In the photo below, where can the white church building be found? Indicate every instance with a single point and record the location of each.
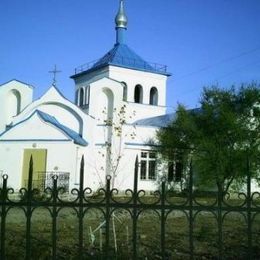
(120, 102)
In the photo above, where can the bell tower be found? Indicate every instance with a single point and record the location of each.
(142, 83)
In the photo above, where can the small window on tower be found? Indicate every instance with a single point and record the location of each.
(87, 95)
(81, 97)
(77, 97)
(138, 94)
(154, 96)
(124, 91)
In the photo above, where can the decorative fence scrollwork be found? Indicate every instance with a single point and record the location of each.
(134, 201)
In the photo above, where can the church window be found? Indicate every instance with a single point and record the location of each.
(87, 95)
(124, 91)
(175, 171)
(170, 171)
(178, 171)
(153, 96)
(13, 103)
(148, 165)
(138, 94)
(77, 97)
(81, 97)
(18, 101)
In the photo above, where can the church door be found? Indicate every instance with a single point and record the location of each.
(39, 167)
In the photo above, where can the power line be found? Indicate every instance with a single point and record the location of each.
(224, 76)
(217, 79)
(215, 64)
(238, 69)
(218, 63)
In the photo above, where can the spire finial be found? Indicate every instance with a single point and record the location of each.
(121, 18)
(121, 23)
(54, 71)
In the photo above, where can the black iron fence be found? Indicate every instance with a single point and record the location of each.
(134, 202)
(44, 180)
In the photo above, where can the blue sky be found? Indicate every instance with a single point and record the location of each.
(203, 42)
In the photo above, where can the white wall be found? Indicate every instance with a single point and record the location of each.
(132, 78)
(7, 100)
(61, 155)
(97, 99)
(100, 85)
(65, 115)
(34, 133)
(146, 79)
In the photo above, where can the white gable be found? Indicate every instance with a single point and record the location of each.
(33, 128)
(53, 103)
(14, 97)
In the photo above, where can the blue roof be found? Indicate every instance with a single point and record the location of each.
(164, 120)
(157, 121)
(69, 132)
(123, 56)
(52, 120)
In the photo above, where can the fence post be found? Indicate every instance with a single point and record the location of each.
(191, 227)
(3, 199)
(81, 196)
(220, 222)
(29, 210)
(135, 209)
(54, 216)
(107, 216)
(163, 218)
(249, 215)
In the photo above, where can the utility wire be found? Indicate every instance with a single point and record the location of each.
(244, 53)
(238, 69)
(221, 77)
(218, 63)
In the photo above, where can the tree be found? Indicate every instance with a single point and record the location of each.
(219, 135)
(115, 130)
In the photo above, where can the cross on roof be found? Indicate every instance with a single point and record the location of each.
(54, 71)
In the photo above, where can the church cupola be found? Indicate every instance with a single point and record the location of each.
(121, 24)
(142, 84)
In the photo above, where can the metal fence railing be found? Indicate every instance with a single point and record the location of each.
(107, 201)
(125, 61)
(44, 180)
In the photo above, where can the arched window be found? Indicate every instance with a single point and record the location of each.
(138, 94)
(77, 97)
(124, 91)
(13, 107)
(81, 97)
(14, 102)
(87, 95)
(18, 99)
(153, 96)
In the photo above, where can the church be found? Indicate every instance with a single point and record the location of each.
(120, 103)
